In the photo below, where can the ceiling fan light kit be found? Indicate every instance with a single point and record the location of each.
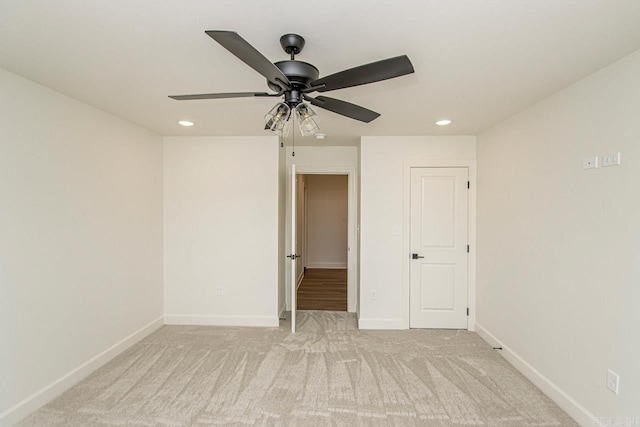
(294, 80)
(306, 119)
(277, 119)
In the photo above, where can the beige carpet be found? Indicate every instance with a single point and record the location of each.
(327, 374)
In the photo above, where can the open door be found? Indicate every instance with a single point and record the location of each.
(293, 255)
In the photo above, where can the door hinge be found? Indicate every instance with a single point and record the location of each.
(467, 311)
(468, 184)
(467, 248)
(293, 256)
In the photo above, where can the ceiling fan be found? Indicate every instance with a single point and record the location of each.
(294, 80)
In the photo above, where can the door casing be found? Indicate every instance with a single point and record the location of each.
(352, 237)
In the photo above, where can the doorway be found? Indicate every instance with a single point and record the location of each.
(291, 231)
(322, 213)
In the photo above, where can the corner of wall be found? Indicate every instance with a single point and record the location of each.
(50, 391)
(548, 387)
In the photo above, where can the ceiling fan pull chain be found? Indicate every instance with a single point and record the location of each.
(293, 136)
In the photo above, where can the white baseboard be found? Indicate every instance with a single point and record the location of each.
(221, 320)
(381, 324)
(340, 265)
(47, 393)
(300, 278)
(555, 393)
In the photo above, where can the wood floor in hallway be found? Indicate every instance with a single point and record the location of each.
(323, 289)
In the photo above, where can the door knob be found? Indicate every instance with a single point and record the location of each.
(416, 256)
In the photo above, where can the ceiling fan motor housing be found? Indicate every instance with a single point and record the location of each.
(300, 74)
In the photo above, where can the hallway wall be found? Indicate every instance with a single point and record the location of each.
(327, 197)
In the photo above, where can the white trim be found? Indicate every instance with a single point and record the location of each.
(305, 219)
(47, 393)
(555, 393)
(381, 324)
(406, 241)
(293, 242)
(333, 265)
(221, 320)
(352, 238)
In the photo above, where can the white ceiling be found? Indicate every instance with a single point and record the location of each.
(477, 61)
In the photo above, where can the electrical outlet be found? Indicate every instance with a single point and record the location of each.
(590, 162)
(220, 291)
(373, 294)
(611, 160)
(613, 381)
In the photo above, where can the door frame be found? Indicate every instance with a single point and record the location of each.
(406, 233)
(352, 237)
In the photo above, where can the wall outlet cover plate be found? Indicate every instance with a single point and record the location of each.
(590, 162)
(613, 381)
(611, 160)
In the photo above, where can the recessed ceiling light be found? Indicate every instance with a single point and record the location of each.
(185, 123)
(443, 122)
(320, 135)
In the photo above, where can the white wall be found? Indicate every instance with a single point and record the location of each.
(221, 230)
(382, 253)
(80, 240)
(327, 221)
(323, 156)
(559, 247)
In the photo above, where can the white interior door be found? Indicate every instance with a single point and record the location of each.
(292, 256)
(439, 239)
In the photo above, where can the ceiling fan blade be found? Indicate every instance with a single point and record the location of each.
(248, 54)
(220, 95)
(344, 108)
(368, 73)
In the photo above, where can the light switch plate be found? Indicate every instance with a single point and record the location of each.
(590, 162)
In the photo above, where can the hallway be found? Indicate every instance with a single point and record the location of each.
(323, 289)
